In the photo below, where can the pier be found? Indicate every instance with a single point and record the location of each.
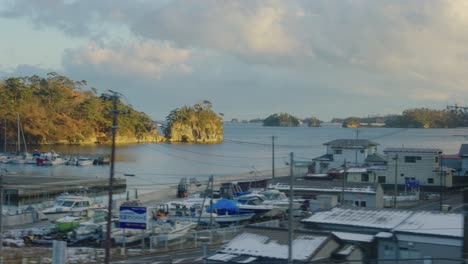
(21, 189)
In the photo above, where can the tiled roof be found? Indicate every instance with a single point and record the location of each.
(351, 143)
(326, 157)
(375, 158)
(414, 150)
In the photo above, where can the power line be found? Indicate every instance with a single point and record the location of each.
(196, 161)
(212, 155)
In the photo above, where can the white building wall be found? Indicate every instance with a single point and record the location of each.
(422, 170)
(464, 166)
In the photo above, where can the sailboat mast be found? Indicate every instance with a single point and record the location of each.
(19, 138)
(4, 137)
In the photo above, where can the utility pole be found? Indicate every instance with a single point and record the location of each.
(343, 183)
(272, 157)
(465, 225)
(291, 198)
(441, 190)
(355, 152)
(115, 97)
(396, 182)
(1, 217)
(4, 137)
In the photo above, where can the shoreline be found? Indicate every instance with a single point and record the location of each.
(168, 193)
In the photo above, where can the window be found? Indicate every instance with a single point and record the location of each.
(324, 165)
(430, 180)
(363, 203)
(364, 177)
(338, 151)
(362, 151)
(412, 159)
(381, 179)
(388, 252)
(436, 159)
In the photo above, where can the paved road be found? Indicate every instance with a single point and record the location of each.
(454, 199)
(182, 257)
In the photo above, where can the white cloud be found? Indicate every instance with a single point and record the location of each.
(405, 49)
(148, 59)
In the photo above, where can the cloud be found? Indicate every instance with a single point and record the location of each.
(145, 59)
(398, 49)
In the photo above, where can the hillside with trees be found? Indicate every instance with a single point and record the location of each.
(312, 122)
(428, 118)
(198, 123)
(58, 110)
(282, 120)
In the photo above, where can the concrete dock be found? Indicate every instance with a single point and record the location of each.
(19, 189)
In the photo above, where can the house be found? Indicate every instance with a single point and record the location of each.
(463, 154)
(355, 193)
(270, 245)
(341, 151)
(390, 234)
(420, 165)
(372, 174)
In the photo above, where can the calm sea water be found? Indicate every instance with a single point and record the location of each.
(247, 147)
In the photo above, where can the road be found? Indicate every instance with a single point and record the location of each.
(181, 257)
(454, 199)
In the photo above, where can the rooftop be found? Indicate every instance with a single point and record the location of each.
(414, 150)
(282, 183)
(404, 221)
(351, 143)
(463, 150)
(273, 243)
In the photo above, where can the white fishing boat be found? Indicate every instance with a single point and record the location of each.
(255, 204)
(49, 159)
(68, 203)
(81, 161)
(172, 229)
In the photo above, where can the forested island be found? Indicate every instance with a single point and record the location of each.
(413, 118)
(58, 110)
(197, 124)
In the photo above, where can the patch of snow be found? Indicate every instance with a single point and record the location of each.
(222, 257)
(433, 223)
(384, 235)
(354, 237)
(348, 249)
(402, 198)
(261, 246)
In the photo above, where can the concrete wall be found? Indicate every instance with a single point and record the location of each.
(421, 170)
(391, 249)
(20, 219)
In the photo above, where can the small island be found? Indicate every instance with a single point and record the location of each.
(198, 124)
(282, 120)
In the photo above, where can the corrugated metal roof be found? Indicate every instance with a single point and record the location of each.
(351, 143)
(463, 150)
(405, 221)
(414, 150)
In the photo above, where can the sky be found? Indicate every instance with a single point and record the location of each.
(251, 59)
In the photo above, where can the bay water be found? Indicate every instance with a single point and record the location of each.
(247, 148)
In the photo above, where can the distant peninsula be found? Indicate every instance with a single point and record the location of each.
(412, 118)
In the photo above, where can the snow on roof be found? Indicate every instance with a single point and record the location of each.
(346, 250)
(384, 235)
(356, 170)
(414, 150)
(284, 187)
(351, 143)
(433, 223)
(386, 219)
(405, 221)
(222, 257)
(263, 246)
(354, 237)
